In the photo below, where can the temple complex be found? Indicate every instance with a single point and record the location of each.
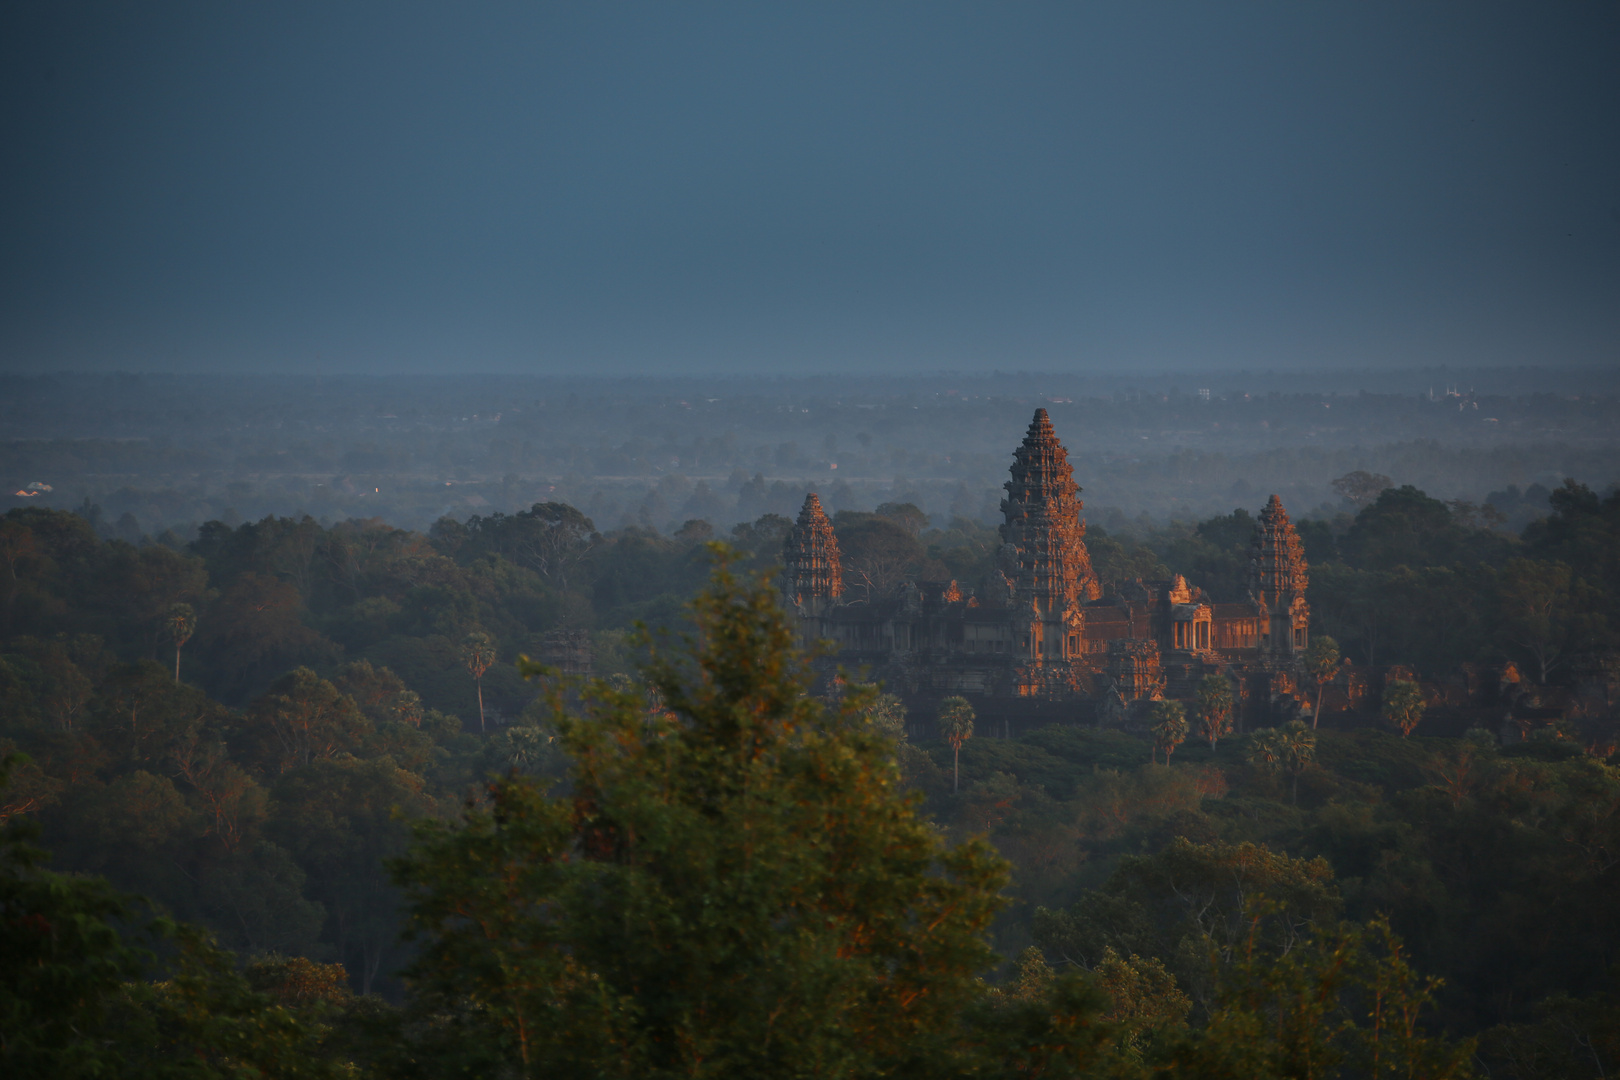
(1041, 639)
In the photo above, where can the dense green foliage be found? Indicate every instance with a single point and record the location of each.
(92, 986)
(328, 693)
(734, 885)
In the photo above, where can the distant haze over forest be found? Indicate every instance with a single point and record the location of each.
(157, 452)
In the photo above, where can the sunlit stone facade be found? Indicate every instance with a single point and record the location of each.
(1040, 635)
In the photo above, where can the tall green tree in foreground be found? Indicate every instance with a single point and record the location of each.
(734, 886)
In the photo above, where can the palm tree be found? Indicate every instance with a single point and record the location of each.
(1321, 663)
(1403, 705)
(1265, 749)
(956, 725)
(1290, 749)
(1298, 746)
(1169, 726)
(1214, 703)
(887, 714)
(182, 623)
(478, 653)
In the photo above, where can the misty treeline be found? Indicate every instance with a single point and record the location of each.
(242, 730)
(164, 454)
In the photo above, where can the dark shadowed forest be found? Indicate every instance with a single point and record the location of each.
(280, 678)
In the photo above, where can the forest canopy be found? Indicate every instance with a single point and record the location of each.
(241, 730)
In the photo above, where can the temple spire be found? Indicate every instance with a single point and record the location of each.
(1044, 550)
(1043, 523)
(815, 574)
(1277, 571)
(1278, 578)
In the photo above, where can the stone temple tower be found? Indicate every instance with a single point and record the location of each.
(1277, 580)
(814, 578)
(1044, 551)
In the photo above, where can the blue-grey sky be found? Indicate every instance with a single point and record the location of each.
(682, 187)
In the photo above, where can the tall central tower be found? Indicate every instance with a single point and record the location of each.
(1278, 578)
(1045, 550)
(814, 575)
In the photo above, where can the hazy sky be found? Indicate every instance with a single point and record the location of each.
(787, 187)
